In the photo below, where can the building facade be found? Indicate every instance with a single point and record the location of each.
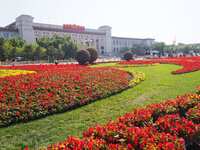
(100, 38)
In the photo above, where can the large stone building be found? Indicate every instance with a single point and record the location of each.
(100, 38)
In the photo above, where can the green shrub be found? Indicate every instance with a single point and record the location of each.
(83, 57)
(93, 55)
(128, 56)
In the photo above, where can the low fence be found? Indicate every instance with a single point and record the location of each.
(14, 63)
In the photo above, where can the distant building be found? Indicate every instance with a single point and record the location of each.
(100, 38)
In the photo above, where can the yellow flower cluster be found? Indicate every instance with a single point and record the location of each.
(195, 96)
(5, 72)
(137, 78)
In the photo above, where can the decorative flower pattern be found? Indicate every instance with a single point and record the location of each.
(189, 64)
(55, 88)
(171, 125)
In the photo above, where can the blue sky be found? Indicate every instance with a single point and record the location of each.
(164, 20)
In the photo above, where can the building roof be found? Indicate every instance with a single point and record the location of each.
(8, 29)
(11, 25)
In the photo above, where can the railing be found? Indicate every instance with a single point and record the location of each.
(35, 62)
(14, 63)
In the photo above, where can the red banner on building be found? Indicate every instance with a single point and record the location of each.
(74, 28)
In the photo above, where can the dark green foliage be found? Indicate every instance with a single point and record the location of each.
(28, 52)
(2, 56)
(83, 57)
(128, 56)
(93, 55)
(17, 42)
(69, 49)
(58, 47)
(39, 53)
(46, 49)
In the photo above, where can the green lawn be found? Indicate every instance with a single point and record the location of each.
(159, 85)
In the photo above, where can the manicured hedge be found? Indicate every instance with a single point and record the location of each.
(83, 57)
(93, 55)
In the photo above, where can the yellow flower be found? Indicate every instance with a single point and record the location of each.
(5, 72)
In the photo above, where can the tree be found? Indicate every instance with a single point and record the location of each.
(93, 55)
(17, 42)
(69, 50)
(159, 46)
(139, 49)
(28, 52)
(7, 47)
(10, 48)
(2, 55)
(44, 42)
(58, 54)
(58, 47)
(39, 53)
(51, 53)
(13, 53)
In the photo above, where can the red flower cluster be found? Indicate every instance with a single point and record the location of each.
(134, 138)
(55, 88)
(165, 126)
(177, 125)
(189, 64)
(194, 114)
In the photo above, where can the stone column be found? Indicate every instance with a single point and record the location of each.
(108, 39)
(24, 24)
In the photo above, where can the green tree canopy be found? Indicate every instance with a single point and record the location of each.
(58, 47)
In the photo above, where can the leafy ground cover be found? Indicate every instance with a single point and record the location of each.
(189, 64)
(55, 88)
(159, 85)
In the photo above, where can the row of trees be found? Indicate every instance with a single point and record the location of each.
(45, 48)
(137, 50)
(162, 48)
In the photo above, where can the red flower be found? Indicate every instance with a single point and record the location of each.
(189, 64)
(55, 88)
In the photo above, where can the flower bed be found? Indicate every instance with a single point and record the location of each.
(6, 72)
(189, 64)
(171, 125)
(55, 88)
